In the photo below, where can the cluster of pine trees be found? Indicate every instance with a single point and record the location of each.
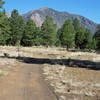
(75, 35)
(15, 31)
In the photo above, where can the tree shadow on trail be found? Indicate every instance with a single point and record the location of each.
(67, 62)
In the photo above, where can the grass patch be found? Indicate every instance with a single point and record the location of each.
(2, 74)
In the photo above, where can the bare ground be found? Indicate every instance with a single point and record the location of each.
(25, 83)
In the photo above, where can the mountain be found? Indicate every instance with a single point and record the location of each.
(38, 16)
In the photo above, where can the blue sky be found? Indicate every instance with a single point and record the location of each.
(87, 8)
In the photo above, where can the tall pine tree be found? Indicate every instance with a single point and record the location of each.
(38, 37)
(17, 27)
(76, 24)
(29, 35)
(68, 34)
(83, 36)
(4, 29)
(79, 38)
(49, 32)
(4, 25)
(87, 44)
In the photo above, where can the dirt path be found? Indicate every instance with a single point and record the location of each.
(25, 83)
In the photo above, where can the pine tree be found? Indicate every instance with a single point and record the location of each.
(76, 24)
(4, 29)
(30, 33)
(4, 25)
(49, 32)
(87, 43)
(83, 36)
(78, 33)
(79, 38)
(93, 46)
(59, 33)
(17, 27)
(38, 37)
(97, 37)
(21, 29)
(68, 34)
(1, 3)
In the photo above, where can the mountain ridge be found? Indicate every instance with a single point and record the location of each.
(38, 16)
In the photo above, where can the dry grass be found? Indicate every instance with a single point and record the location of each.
(60, 52)
(67, 80)
(77, 81)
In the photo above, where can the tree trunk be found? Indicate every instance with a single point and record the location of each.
(67, 47)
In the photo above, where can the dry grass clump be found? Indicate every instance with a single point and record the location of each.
(66, 82)
(6, 61)
(82, 56)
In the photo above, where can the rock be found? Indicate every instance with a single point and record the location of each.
(97, 85)
(62, 98)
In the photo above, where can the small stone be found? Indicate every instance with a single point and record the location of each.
(62, 98)
(68, 90)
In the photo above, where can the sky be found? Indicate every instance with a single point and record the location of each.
(86, 8)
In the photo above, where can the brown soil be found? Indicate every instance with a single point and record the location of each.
(25, 83)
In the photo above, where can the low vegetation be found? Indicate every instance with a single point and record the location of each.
(75, 82)
(2, 74)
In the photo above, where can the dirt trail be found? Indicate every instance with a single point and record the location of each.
(25, 83)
